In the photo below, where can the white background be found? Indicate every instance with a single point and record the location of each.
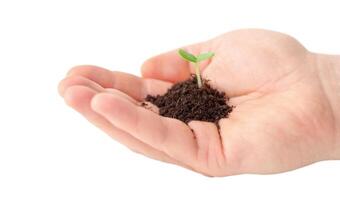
(48, 151)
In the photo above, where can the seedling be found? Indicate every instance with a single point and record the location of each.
(186, 102)
(195, 60)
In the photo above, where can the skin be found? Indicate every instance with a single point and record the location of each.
(286, 102)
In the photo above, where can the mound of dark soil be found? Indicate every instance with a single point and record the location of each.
(186, 101)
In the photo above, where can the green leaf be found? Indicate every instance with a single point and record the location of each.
(204, 56)
(187, 56)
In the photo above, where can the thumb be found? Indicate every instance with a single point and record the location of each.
(170, 66)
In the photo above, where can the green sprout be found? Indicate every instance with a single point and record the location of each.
(195, 60)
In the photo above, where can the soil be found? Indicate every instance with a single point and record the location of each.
(186, 101)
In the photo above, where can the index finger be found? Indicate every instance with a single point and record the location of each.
(132, 85)
(170, 66)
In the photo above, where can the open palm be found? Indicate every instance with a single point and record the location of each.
(282, 119)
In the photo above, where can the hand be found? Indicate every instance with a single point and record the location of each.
(283, 117)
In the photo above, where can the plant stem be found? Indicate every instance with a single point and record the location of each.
(198, 75)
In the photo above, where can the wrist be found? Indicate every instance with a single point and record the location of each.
(329, 73)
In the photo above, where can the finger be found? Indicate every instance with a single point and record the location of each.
(99, 75)
(79, 98)
(210, 149)
(80, 80)
(167, 67)
(77, 80)
(133, 86)
(165, 134)
(170, 66)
